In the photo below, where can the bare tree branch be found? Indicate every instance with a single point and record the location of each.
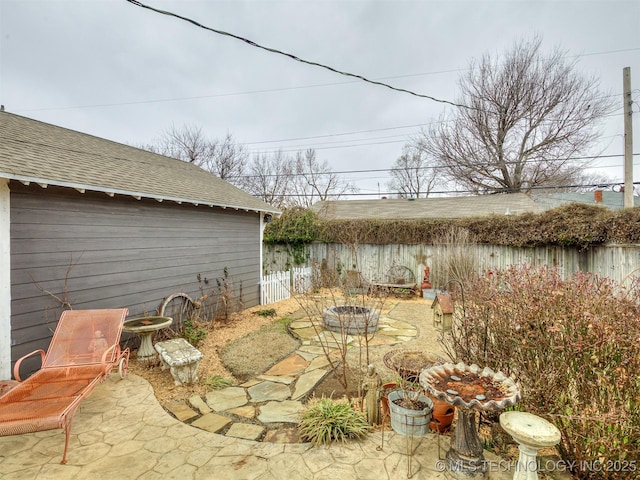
(411, 175)
(531, 114)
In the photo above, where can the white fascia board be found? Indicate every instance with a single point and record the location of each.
(5, 281)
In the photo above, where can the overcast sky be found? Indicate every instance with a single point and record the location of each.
(117, 71)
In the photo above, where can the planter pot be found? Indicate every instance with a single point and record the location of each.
(442, 415)
(387, 388)
(406, 421)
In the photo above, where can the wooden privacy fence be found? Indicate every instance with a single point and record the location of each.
(618, 262)
(278, 286)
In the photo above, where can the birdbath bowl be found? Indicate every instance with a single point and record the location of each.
(145, 328)
(471, 389)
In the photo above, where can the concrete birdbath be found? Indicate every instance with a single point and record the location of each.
(470, 389)
(145, 328)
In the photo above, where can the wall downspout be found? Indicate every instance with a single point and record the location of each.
(5, 281)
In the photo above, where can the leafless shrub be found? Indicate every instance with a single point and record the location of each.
(573, 346)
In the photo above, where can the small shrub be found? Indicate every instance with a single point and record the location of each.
(216, 382)
(327, 420)
(192, 333)
(268, 312)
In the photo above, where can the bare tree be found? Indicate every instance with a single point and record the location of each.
(528, 116)
(269, 178)
(314, 181)
(225, 158)
(411, 174)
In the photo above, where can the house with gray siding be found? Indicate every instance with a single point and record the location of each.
(99, 224)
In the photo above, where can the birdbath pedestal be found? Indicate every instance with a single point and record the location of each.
(145, 328)
(532, 433)
(470, 389)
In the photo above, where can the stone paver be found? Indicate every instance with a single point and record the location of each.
(181, 411)
(199, 404)
(211, 422)
(290, 366)
(287, 411)
(245, 430)
(306, 382)
(287, 380)
(266, 391)
(246, 411)
(227, 398)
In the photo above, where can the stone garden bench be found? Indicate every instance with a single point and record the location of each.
(181, 358)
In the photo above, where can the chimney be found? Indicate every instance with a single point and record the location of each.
(597, 196)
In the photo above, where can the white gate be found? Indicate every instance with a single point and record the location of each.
(275, 286)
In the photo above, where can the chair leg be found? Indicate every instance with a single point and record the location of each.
(67, 433)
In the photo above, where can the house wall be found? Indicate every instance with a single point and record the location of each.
(102, 252)
(618, 262)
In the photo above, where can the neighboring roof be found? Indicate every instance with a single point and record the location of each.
(37, 152)
(433, 207)
(612, 200)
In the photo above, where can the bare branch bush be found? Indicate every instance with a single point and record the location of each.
(574, 348)
(62, 298)
(454, 261)
(349, 299)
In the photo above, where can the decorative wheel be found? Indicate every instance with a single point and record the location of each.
(123, 365)
(180, 307)
(400, 275)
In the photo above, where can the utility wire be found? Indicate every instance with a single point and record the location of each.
(371, 170)
(296, 58)
(477, 192)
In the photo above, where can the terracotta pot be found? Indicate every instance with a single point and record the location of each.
(384, 400)
(442, 415)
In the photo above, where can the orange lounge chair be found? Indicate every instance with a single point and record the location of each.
(83, 350)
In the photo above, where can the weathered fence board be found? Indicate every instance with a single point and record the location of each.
(619, 262)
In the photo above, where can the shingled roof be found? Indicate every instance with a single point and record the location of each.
(435, 207)
(37, 152)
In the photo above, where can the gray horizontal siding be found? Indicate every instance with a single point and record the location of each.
(129, 253)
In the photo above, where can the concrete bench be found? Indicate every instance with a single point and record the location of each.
(181, 358)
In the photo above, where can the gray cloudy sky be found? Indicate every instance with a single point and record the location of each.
(121, 72)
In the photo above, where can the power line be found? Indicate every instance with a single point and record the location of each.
(476, 192)
(433, 167)
(296, 58)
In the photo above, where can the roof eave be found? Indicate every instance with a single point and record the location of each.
(137, 195)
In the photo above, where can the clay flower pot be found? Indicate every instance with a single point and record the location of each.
(442, 415)
(384, 399)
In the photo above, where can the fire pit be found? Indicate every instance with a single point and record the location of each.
(470, 389)
(351, 319)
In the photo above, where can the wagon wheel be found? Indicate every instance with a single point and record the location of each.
(180, 307)
(123, 364)
(400, 274)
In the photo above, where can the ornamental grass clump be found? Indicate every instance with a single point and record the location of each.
(326, 420)
(573, 346)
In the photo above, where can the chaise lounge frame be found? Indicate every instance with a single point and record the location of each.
(84, 349)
